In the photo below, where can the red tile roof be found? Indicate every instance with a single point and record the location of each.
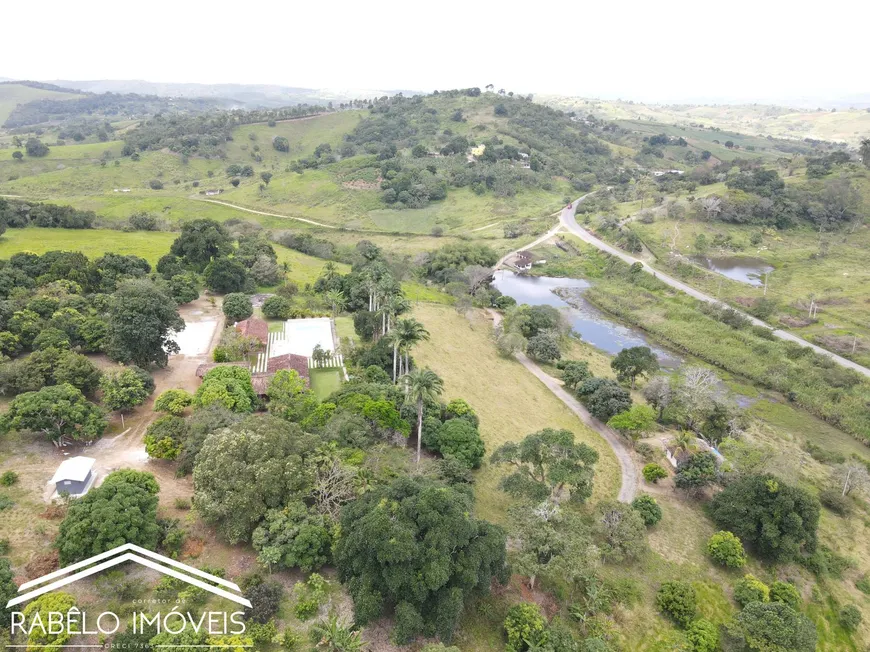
(298, 363)
(254, 328)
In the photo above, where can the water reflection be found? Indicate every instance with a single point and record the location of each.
(745, 269)
(593, 325)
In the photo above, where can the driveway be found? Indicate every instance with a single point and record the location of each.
(628, 489)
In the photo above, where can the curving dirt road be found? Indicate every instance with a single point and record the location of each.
(628, 489)
(251, 210)
(568, 220)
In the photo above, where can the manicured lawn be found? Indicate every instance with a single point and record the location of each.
(325, 381)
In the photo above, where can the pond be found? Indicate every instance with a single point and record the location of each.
(745, 269)
(589, 322)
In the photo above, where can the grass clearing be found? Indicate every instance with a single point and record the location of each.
(150, 245)
(510, 402)
(325, 381)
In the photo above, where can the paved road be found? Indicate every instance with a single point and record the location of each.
(628, 490)
(568, 220)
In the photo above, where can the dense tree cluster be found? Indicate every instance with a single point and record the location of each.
(16, 213)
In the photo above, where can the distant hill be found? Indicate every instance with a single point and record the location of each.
(14, 94)
(244, 95)
(837, 125)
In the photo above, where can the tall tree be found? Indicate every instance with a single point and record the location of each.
(60, 412)
(423, 385)
(546, 464)
(123, 390)
(414, 547)
(201, 241)
(142, 322)
(337, 300)
(116, 513)
(633, 362)
(249, 468)
(408, 333)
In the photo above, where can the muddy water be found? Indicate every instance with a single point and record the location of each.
(589, 322)
(745, 269)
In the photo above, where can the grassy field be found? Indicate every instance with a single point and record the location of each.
(150, 245)
(510, 402)
(303, 135)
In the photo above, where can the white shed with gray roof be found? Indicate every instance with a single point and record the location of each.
(74, 476)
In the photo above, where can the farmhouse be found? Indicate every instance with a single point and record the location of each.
(74, 476)
(523, 261)
(254, 328)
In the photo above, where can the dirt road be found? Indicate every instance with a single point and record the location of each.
(568, 220)
(628, 489)
(127, 450)
(251, 210)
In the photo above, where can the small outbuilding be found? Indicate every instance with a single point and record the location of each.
(74, 476)
(254, 327)
(523, 261)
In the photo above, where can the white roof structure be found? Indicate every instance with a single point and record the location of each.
(75, 469)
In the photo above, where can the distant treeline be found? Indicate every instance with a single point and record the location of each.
(15, 213)
(113, 105)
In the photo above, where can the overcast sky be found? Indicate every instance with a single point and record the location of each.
(763, 50)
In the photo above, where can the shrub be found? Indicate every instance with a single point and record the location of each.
(6, 502)
(785, 592)
(724, 548)
(834, 500)
(751, 589)
(775, 626)
(164, 437)
(523, 625)
(8, 479)
(863, 584)
(850, 617)
(173, 401)
(4, 546)
(653, 472)
(544, 347)
(648, 509)
(155, 184)
(459, 439)
(703, 636)
(678, 600)
(182, 503)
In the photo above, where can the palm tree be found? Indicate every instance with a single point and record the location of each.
(683, 444)
(337, 300)
(423, 384)
(406, 334)
(394, 306)
(335, 636)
